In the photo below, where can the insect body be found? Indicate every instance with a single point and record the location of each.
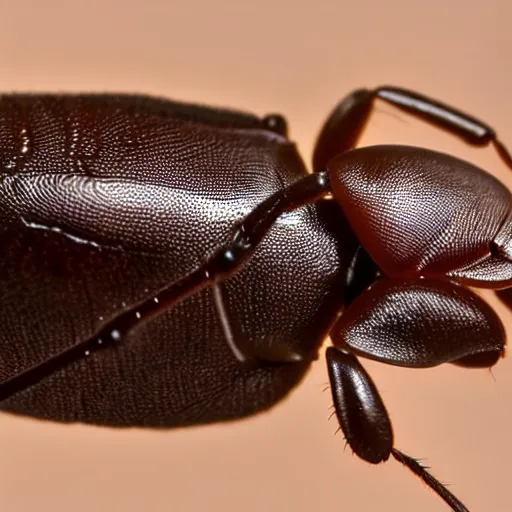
(166, 264)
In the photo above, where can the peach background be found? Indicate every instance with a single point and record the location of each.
(298, 58)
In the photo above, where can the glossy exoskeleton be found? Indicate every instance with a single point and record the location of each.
(166, 264)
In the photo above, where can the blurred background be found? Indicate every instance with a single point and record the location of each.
(297, 58)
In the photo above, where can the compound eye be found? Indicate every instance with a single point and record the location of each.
(423, 213)
(276, 123)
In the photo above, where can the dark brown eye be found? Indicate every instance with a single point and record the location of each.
(277, 124)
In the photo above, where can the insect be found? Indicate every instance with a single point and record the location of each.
(166, 264)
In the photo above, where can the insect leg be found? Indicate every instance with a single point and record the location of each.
(365, 422)
(348, 120)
